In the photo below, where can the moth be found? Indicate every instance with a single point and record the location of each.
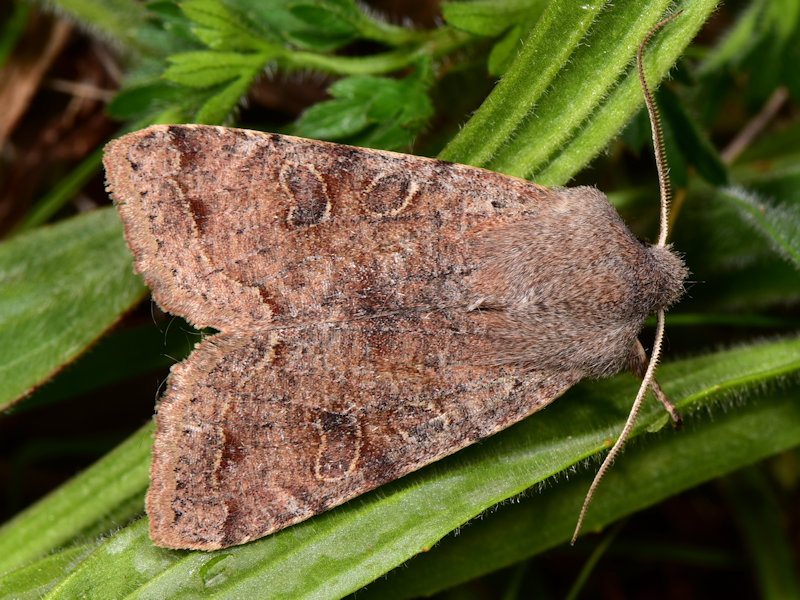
(374, 312)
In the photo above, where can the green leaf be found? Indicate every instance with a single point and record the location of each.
(336, 119)
(317, 12)
(326, 30)
(778, 224)
(222, 103)
(343, 20)
(213, 15)
(80, 504)
(780, 28)
(169, 31)
(619, 102)
(578, 100)
(314, 40)
(546, 51)
(491, 17)
(780, 148)
(221, 28)
(505, 51)
(763, 42)
(35, 580)
(371, 111)
(61, 287)
(128, 546)
(206, 68)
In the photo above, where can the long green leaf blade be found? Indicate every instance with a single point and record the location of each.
(65, 513)
(779, 225)
(581, 89)
(61, 287)
(546, 51)
(621, 102)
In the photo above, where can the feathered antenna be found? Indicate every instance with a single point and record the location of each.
(663, 183)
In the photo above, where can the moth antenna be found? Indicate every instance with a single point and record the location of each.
(663, 183)
(658, 134)
(637, 404)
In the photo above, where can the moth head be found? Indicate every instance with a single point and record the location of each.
(671, 273)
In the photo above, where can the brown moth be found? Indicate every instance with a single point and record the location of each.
(375, 312)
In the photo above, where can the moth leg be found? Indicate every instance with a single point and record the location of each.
(637, 364)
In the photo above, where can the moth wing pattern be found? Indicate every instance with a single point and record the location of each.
(376, 311)
(337, 281)
(302, 230)
(291, 435)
